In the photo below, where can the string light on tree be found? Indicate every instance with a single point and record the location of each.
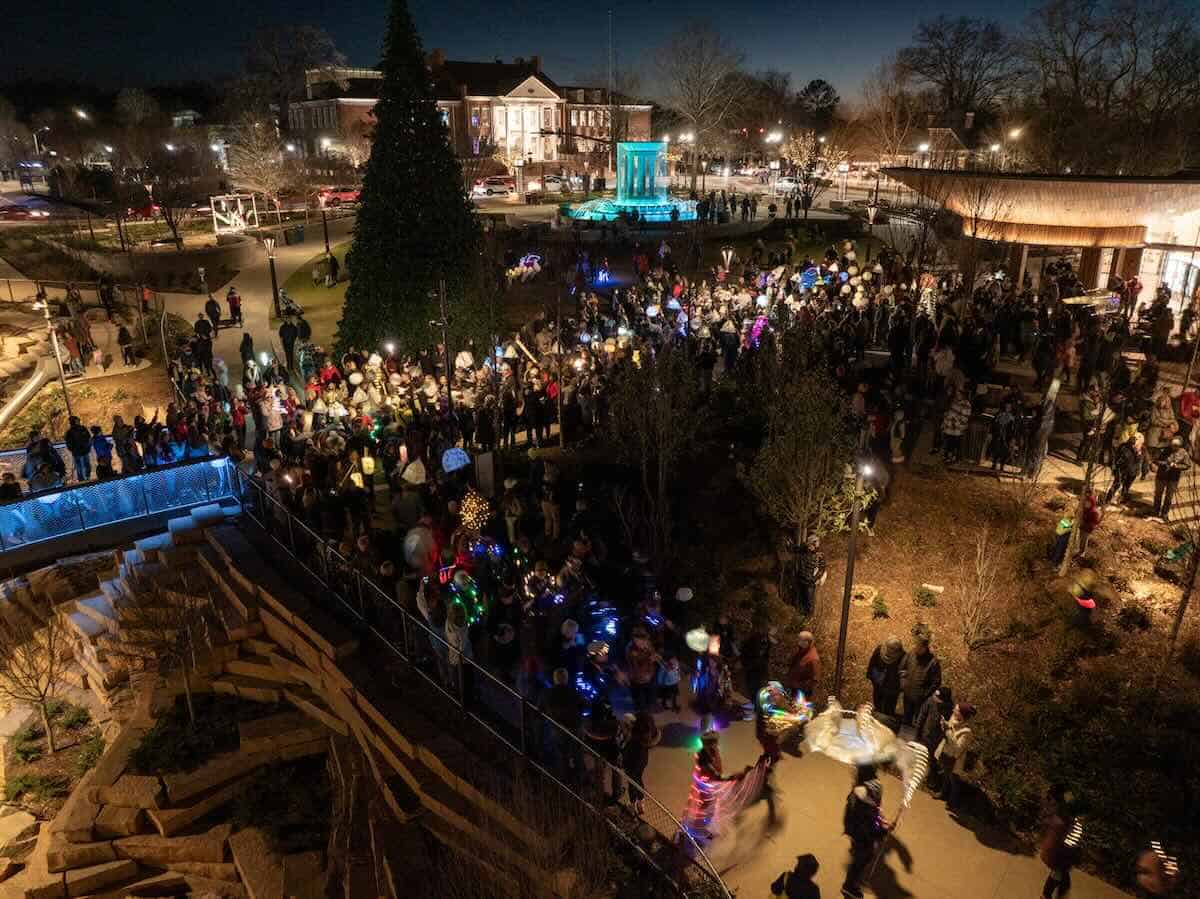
(475, 511)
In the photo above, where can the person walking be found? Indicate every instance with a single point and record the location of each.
(1125, 467)
(234, 299)
(213, 310)
(125, 342)
(1172, 462)
(920, 674)
(643, 736)
(864, 824)
(1059, 844)
(883, 671)
(928, 727)
(246, 349)
(288, 334)
(79, 442)
(954, 426)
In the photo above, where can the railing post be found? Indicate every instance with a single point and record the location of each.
(145, 498)
(291, 535)
(79, 509)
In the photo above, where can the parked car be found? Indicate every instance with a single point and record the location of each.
(550, 184)
(336, 196)
(148, 211)
(786, 184)
(21, 214)
(497, 185)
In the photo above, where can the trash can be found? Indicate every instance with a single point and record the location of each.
(298, 234)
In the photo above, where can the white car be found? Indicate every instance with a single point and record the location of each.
(496, 186)
(550, 184)
(786, 184)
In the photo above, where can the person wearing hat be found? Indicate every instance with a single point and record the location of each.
(805, 668)
(1172, 462)
(883, 671)
(920, 673)
(952, 752)
(798, 882)
(864, 824)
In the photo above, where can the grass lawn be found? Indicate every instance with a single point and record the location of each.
(322, 305)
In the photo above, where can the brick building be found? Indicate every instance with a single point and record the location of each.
(513, 108)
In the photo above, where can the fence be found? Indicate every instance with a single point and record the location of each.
(92, 504)
(551, 749)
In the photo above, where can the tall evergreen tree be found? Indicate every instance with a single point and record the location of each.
(415, 224)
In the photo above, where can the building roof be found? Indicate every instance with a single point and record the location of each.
(485, 79)
(1060, 210)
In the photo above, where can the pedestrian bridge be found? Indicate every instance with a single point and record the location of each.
(56, 522)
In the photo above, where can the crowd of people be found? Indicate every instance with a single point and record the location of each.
(371, 449)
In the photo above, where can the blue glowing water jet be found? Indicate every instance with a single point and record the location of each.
(641, 187)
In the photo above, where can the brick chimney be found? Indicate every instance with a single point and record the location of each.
(968, 121)
(437, 58)
(536, 62)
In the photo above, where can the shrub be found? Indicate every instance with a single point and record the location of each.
(173, 744)
(30, 733)
(35, 786)
(27, 752)
(879, 607)
(75, 717)
(1134, 616)
(89, 755)
(925, 597)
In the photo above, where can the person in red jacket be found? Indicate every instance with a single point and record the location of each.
(1059, 845)
(805, 668)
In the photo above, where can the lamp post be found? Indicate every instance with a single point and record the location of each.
(872, 211)
(324, 222)
(44, 305)
(443, 322)
(863, 471)
(269, 243)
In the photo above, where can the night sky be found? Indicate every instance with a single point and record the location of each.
(152, 41)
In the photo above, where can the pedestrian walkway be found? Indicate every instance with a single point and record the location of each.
(933, 855)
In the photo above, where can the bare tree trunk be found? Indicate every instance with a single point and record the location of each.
(49, 729)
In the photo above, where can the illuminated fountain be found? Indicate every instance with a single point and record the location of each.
(641, 186)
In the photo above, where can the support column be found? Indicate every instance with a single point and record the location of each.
(1018, 259)
(1089, 267)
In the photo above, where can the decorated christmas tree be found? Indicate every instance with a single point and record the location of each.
(415, 224)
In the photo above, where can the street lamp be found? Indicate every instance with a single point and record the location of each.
(108, 148)
(863, 471)
(269, 243)
(170, 148)
(1014, 134)
(872, 211)
(44, 306)
(80, 114)
(291, 148)
(324, 222)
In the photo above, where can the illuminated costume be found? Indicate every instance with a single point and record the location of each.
(715, 799)
(778, 717)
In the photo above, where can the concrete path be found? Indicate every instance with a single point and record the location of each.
(934, 855)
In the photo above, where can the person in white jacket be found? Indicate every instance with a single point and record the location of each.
(952, 751)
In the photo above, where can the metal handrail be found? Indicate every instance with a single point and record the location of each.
(412, 627)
